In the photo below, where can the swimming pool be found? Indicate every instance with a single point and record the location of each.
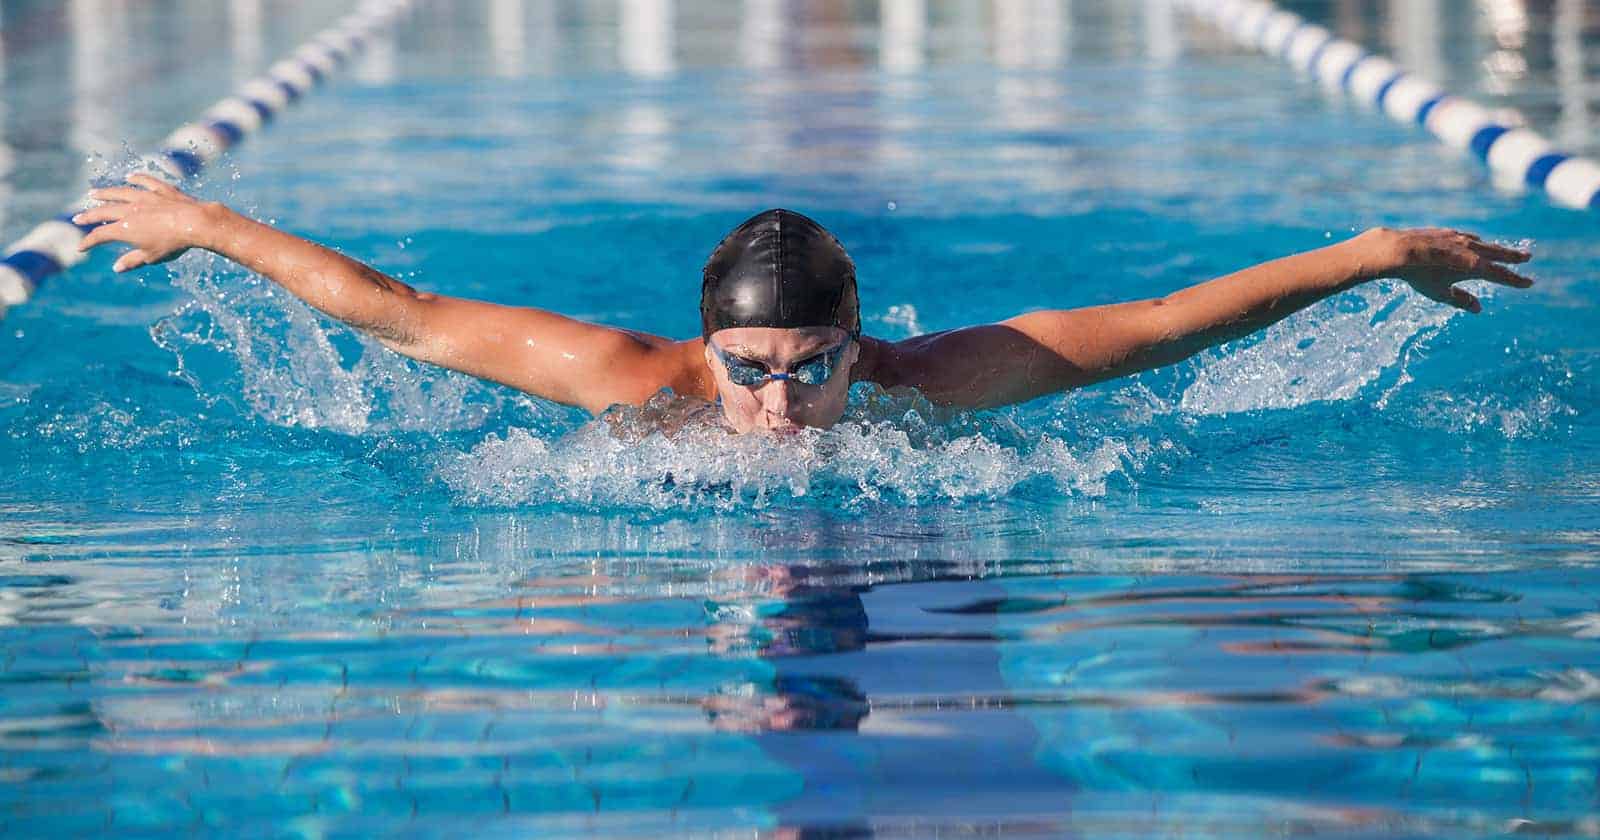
(259, 577)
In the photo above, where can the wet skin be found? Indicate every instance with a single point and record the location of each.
(781, 405)
(593, 366)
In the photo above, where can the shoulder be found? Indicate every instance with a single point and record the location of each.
(875, 362)
(636, 366)
(684, 365)
(893, 363)
(664, 363)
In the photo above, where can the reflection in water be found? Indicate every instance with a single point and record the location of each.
(1573, 126)
(1417, 27)
(1277, 696)
(507, 36)
(97, 79)
(789, 617)
(245, 29)
(761, 34)
(1030, 33)
(378, 62)
(644, 138)
(902, 33)
(645, 42)
(7, 159)
(1507, 21)
(1161, 39)
(262, 624)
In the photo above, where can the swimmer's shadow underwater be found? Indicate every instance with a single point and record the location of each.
(781, 342)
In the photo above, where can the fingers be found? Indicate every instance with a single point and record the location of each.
(156, 185)
(1456, 258)
(100, 236)
(1499, 253)
(1438, 243)
(1495, 273)
(124, 194)
(145, 187)
(100, 215)
(131, 260)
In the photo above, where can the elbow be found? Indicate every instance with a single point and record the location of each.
(398, 344)
(1161, 321)
(402, 335)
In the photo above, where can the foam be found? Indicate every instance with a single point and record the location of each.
(888, 449)
(1535, 399)
(1327, 352)
(294, 367)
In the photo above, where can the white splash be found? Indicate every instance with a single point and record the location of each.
(898, 321)
(1327, 352)
(869, 457)
(242, 333)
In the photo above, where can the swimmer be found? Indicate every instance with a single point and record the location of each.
(780, 340)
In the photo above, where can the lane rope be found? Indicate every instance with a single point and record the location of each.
(52, 246)
(1514, 153)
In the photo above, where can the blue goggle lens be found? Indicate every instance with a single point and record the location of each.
(814, 372)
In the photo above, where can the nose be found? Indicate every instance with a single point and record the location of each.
(776, 397)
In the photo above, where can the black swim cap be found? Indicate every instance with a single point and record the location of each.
(779, 269)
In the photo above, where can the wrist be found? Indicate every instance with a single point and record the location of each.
(1376, 252)
(213, 226)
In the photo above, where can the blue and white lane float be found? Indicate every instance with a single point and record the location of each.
(52, 247)
(1515, 154)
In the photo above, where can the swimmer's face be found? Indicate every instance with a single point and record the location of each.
(781, 405)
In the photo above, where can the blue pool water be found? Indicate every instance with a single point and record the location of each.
(259, 577)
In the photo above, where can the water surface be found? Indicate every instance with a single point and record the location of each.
(260, 577)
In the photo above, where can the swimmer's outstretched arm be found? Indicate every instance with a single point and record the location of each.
(1043, 352)
(540, 352)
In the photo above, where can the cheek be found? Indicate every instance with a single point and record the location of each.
(739, 402)
(828, 403)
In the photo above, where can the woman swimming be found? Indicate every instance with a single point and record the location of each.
(781, 338)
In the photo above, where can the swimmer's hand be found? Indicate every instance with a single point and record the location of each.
(534, 350)
(1434, 260)
(159, 221)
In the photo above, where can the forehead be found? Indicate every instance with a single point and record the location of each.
(776, 342)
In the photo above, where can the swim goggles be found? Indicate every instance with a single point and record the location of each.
(813, 371)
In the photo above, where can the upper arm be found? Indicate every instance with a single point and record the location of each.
(1030, 355)
(1042, 352)
(534, 350)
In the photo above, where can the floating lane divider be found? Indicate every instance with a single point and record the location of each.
(52, 247)
(1512, 152)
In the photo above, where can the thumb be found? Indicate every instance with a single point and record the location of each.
(1463, 299)
(131, 260)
